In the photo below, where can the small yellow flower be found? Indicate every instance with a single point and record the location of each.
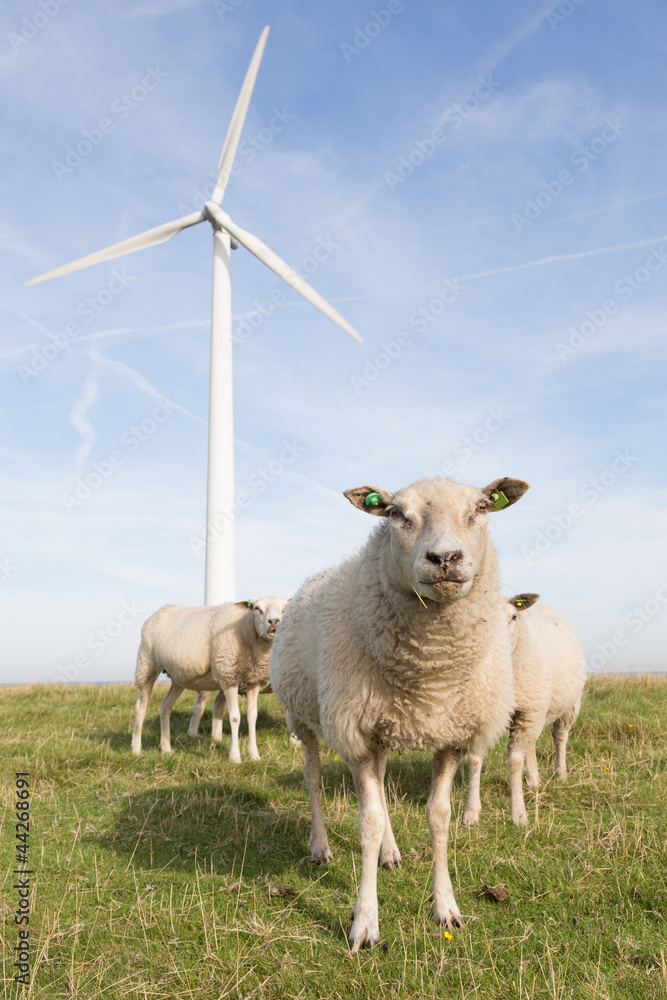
(448, 935)
(336, 758)
(630, 725)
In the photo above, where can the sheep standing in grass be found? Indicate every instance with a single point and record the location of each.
(403, 646)
(221, 648)
(549, 677)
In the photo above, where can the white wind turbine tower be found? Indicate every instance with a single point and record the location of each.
(220, 545)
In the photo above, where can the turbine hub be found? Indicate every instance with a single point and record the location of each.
(209, 210)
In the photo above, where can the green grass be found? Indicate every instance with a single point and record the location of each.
(154, 874)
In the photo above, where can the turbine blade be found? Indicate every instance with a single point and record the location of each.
(148, 239)
(283, 270)
(238, 118)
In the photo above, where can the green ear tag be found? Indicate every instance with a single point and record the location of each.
(248, 604)
(518, 603)
(373, 500)
(499, 500)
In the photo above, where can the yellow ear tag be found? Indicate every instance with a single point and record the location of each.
(499, 499)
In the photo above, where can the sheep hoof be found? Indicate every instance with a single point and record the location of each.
(254, 756)
(520, 817)
(471, 817)
(364, 934)
(235, 758)
(447, 913)
(321, 855)
(390, 859)
(166, 748)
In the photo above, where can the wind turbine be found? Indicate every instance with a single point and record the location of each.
(220, 545)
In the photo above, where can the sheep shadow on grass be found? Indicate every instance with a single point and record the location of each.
(212, 830)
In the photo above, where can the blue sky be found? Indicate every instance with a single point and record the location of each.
(479, 189)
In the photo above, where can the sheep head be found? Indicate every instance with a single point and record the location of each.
(267, 612)
(438, 530)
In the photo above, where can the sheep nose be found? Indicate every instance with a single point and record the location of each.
(273, 621)
(444, 559)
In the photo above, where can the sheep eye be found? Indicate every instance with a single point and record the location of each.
(397, 515)
(481, 505)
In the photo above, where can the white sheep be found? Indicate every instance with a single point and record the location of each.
(403, 646)
(549, 677)
(221, 648)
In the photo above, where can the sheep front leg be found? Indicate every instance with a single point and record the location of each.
(218, 712)
(174, 692)
(390, 856)
(319, 842)
(474, 803)
(197, 712)
(252, 697)
(232, 699)
(365, 931)
(438, 812)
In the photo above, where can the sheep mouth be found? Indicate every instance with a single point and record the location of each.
(445, 590)
(272, 631)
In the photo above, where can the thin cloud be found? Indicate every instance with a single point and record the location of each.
(607, 208)
(156, 8)
(79, 419)
(491, 272)
(17, 350)
(28, 319)
(139, 381)
(504, 48)
(557, 258)
(123, 331)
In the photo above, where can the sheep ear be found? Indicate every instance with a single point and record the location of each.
(244, 605)
(523, 601)
(370, 499)
(504, 492)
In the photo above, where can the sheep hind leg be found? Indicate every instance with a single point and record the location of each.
(252, 697)
(197, 712)
(390, 856)
(147, 674)
(319, 842)
(173, 694)
(532, 772)
(218, 712)
(473, 809)
(524, 730)
(560, 732)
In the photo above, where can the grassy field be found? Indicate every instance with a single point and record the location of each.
(187, 876)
